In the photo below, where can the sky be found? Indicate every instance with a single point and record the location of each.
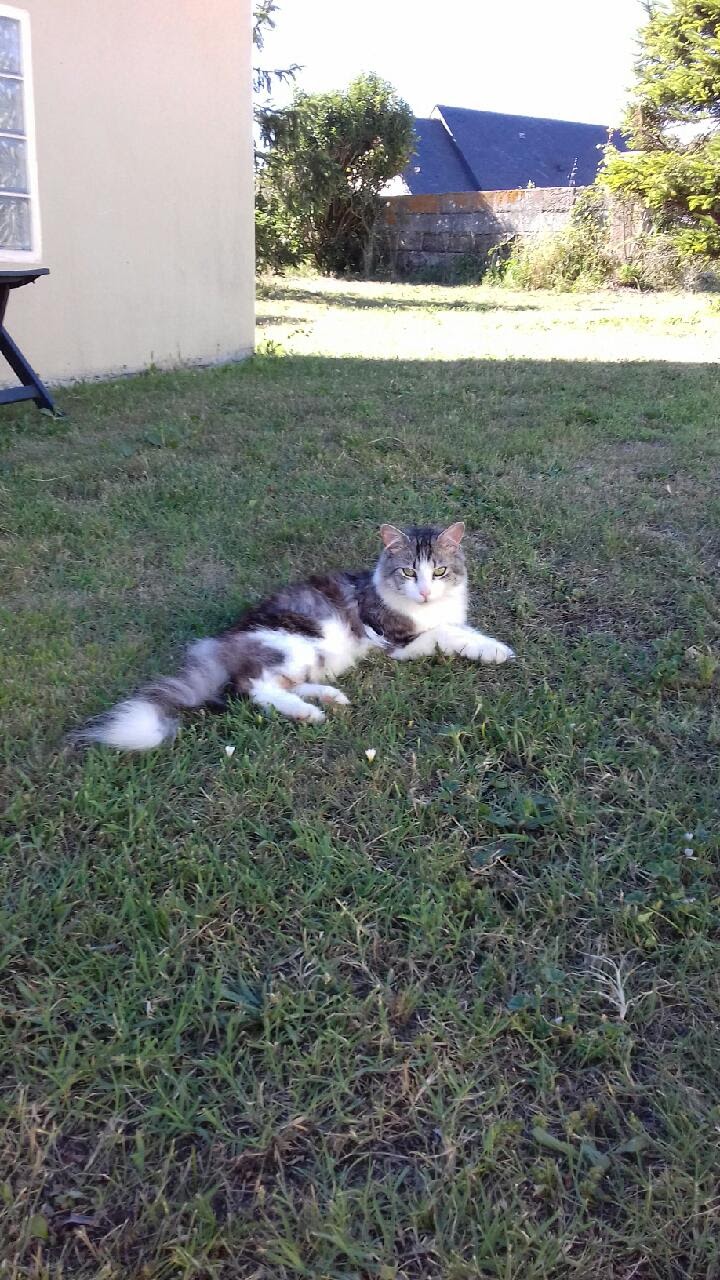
(565, 59)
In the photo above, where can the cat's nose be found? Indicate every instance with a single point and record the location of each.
(425, 593)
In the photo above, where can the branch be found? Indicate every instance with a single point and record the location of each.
(263, 76)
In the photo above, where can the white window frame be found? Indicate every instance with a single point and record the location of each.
(31, 255)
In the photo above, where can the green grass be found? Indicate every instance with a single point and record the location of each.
(450, 1015)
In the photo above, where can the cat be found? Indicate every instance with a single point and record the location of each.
(411, 604)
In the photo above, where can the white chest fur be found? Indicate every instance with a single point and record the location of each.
(449, 609)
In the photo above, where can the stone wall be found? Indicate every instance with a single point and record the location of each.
(422, 231)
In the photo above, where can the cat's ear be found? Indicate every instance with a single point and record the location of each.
(392, 537)
(452, 536)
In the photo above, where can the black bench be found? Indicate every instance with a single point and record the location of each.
(32, 388)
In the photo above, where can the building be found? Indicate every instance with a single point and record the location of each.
(463, 150)
(126, 168)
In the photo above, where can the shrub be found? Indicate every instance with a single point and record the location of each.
(576, 258)
(328, 157)
(581, 256)
(657, 261)
(278, 238)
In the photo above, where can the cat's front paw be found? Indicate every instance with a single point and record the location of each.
(335, 698)
(326, 693)
(484, 649)
(402, 653)
(313, 715)
(499, 652)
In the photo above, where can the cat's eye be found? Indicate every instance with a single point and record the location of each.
(408, 573)
(439, 572)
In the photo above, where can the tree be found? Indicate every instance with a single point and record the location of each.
(274, 241)
(677, 93)
(263, 77)
(328, 157)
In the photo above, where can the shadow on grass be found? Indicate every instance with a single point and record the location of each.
(364, 302)
(264, 322)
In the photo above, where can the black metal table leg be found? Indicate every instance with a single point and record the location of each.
(36, 390)
(32, 387)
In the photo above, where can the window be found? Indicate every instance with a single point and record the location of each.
(19, 212)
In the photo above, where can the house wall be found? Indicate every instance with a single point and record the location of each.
(144, 141)
(435, 229)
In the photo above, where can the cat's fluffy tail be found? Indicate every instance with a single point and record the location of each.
(150, 716)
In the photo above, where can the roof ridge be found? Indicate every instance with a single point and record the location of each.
(464, 162)
(514, 115)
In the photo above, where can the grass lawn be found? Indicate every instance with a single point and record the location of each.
(449, 1015)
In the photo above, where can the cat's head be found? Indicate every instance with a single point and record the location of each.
(421, 564)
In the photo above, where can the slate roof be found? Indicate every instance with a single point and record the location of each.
(437, 165)
(463, 150)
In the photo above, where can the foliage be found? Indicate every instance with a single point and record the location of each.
(657, 261)
(279, 241)
(263, 77)
(327, 159)
(575, 258)
(678, 72)
(275, 242)
(680, 185)
(678, 85)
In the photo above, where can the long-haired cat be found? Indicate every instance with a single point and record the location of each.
(411, 604)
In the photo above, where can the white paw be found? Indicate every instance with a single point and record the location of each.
(336, 698)
(481, 649)
(326, 693)
(313, 715)
(401, 655)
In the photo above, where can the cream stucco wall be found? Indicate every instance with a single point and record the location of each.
(144, 141)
